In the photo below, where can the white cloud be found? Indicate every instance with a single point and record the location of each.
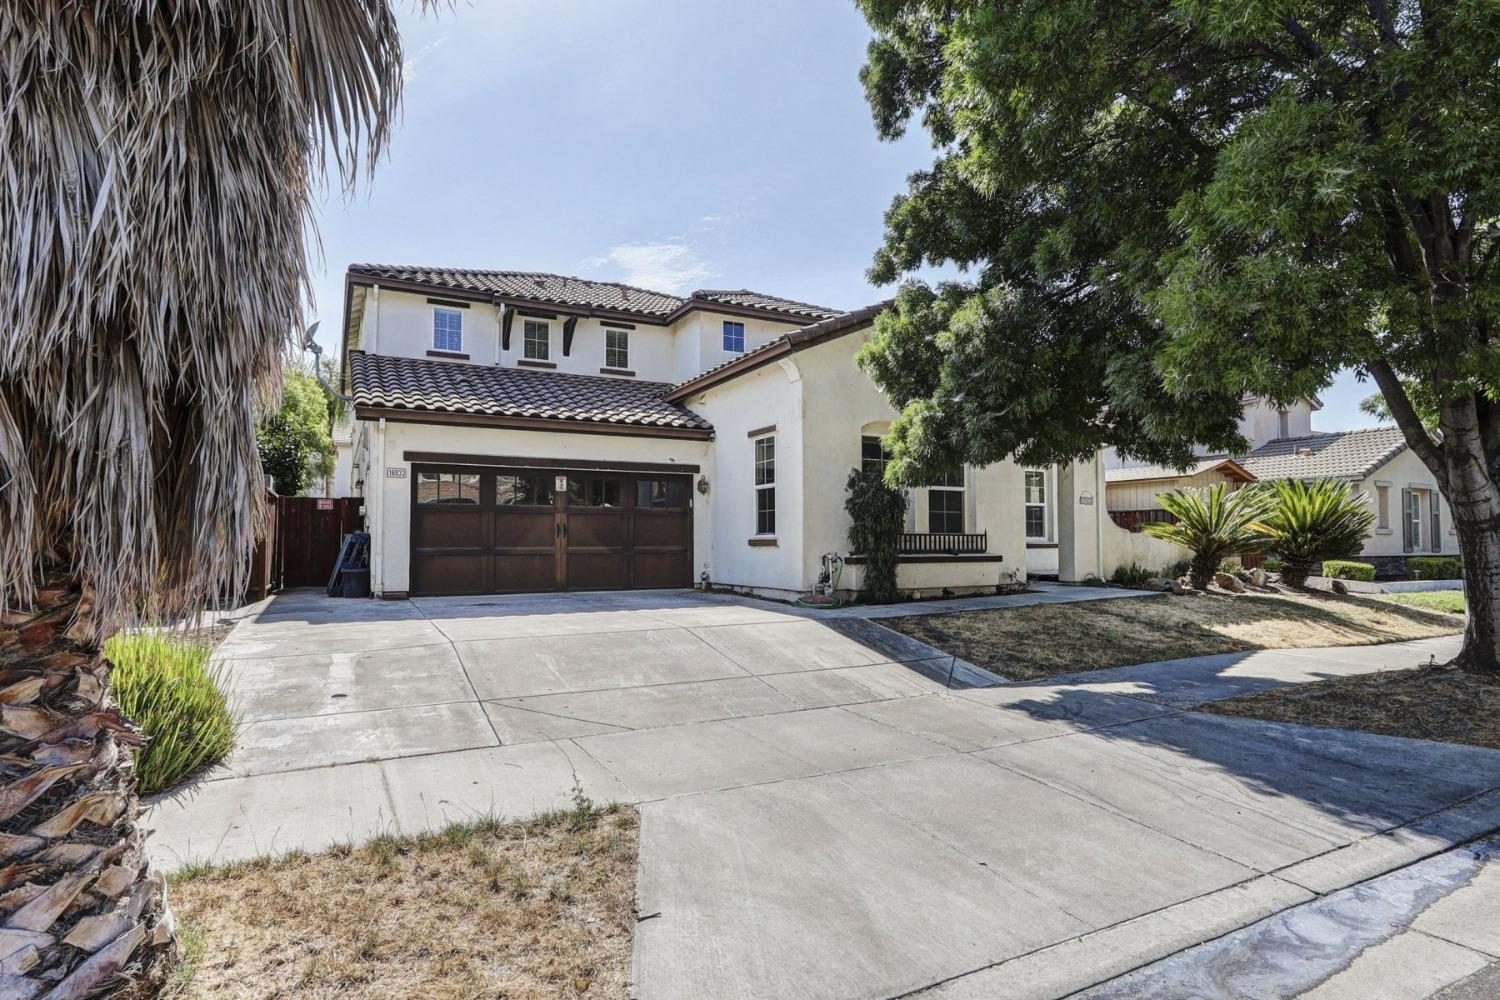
(413, 62)
(665, 267)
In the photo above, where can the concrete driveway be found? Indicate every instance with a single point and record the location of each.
(828, 809)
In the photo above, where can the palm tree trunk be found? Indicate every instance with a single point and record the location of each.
(79, 905)
(1295, 570)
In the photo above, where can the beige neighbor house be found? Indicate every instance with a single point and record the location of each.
(1412, 517)
(517, 432)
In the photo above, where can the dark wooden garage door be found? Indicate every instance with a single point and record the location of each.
(483, 531)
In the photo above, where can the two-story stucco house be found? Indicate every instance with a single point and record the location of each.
(526, 432)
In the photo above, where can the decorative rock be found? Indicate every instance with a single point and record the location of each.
(1229, 582)
(1163, 584)
(1258, 577)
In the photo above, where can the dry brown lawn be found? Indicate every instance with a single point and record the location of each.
(1428, 703)
(520, 911)
(1041, 640)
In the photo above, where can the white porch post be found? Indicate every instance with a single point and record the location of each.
(1080, 503)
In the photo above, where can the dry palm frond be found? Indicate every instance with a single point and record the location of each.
(159, 163)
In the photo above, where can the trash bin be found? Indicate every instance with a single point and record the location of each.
(355, 583)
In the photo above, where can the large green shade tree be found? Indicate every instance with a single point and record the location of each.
(1158, 207)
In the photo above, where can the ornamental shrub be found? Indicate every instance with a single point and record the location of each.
(878, 517)
(1436, 567)
(1344, 569)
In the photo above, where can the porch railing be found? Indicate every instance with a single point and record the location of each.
(944, 543)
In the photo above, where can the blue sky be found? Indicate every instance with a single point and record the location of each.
(672, 144)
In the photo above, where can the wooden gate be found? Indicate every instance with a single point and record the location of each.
(309, 531)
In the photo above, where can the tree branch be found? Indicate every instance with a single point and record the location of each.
(1416, 435)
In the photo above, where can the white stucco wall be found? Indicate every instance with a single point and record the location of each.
(390, 513)
(763, 398)
(1262, 421)
(1406, 471)
(701, 340)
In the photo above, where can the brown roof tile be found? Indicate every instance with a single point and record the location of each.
(1338, 454)
(747, 299)
(387, 382)
(561, 290)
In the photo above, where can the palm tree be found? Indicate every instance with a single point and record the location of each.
(1311, 522)
(160, 161)
(1213, 524)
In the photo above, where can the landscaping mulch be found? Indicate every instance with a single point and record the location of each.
(528, 910)
(1426, 703)
(1038, 641)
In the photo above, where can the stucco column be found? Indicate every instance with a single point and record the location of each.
(1080, 504)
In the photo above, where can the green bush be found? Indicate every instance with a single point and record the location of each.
(1212, 524)
(877, 514)
(1435, 567)
(1344, 569)
(167, 685)
(1271, 564)
(1177, 569)
(1131, 576)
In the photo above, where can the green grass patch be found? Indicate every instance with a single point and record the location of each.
(167, 683)
(1451, 601)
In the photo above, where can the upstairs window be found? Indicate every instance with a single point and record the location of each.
(447, 329)
(616, 348)
(1283, 424)
(765, 486)
(536, 340)
(872, 455)
(945, 504)
(734, 337)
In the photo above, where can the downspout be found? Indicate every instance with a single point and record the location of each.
(377, 523)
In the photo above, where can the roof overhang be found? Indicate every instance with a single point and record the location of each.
(797, 340)
(402, 415)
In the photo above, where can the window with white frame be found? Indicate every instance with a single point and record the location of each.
(1383, 507)
(945, 503)
(765, 486)
(536, 340)
(1036, 504)
(616, 348)
(1414, 517)
(872, 454)
(447, 329)
(734, 336)
(1283, 424)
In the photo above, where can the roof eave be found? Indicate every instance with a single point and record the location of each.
(400, 414)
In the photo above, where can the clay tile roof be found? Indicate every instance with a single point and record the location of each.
(1337, 455)
(532, 285)
(384, 381)
(745, 298)
(584, 293)
(825, 329)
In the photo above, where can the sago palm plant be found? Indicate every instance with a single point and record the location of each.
(1311, 522)
(1213, 524)
(160, 165)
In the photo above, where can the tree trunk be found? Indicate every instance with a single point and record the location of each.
(1479, 545)
(1295, 570)
(1201, 571)
(80, 909)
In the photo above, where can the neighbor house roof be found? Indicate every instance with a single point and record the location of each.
(384, 385)
(609, 297)
(816, 333)
(1336, 455)
(1148, 473)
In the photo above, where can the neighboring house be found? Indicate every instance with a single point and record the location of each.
(523, 432)
(1412, 518)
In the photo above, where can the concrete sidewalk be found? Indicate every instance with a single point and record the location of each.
(829, 809)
